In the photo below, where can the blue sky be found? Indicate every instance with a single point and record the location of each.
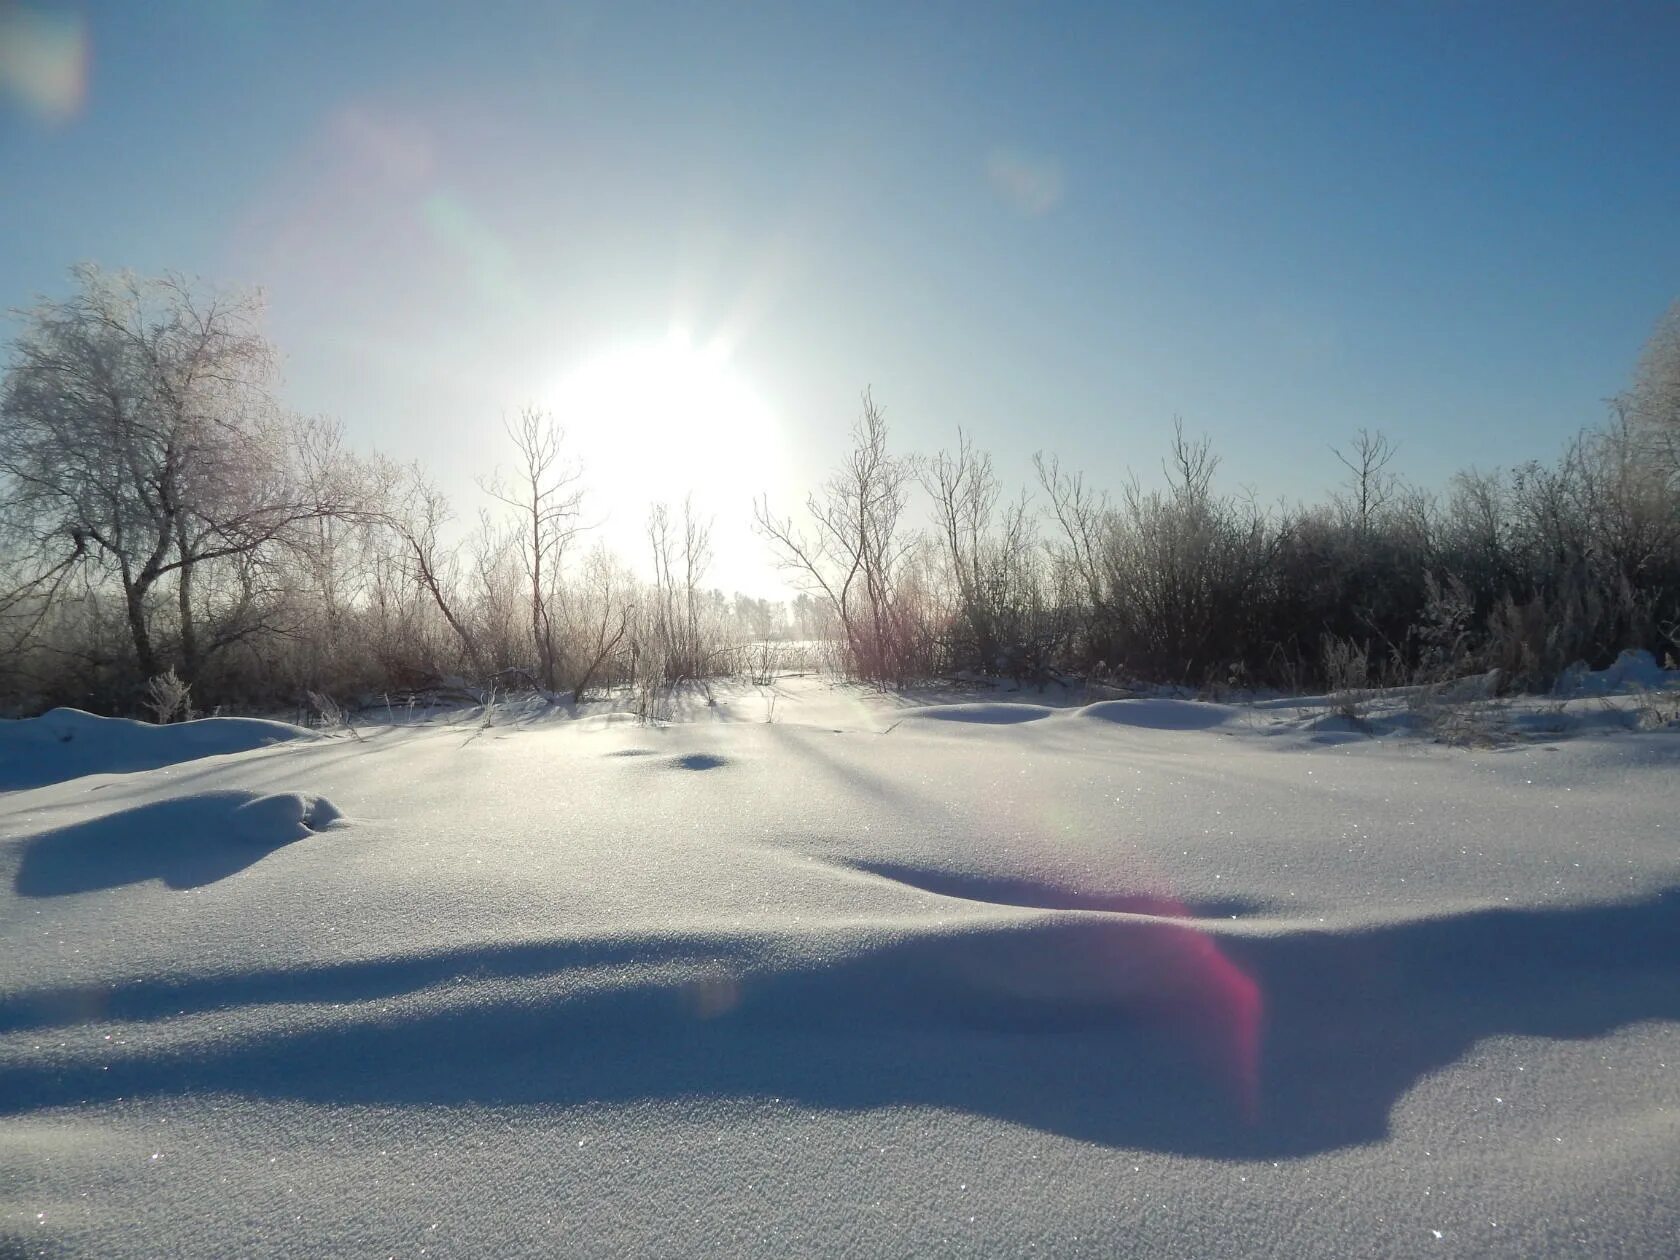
(1056, 226)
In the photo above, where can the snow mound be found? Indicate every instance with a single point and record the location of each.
(1631, 671)
(68, 744)
(1046, 894)
(186, 842)
(281, 818)
(994, 713)
(1161, 714)
(1051, 987)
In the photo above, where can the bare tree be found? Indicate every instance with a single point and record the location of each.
(965, 493)
(1652, 406)
(417, 511)
(1370, 486)
(990, 556)
(679, 564)
(607, 617)
(1083, 517)
(543, 489)
(1183, 568)
(141, 437)
(854, 553)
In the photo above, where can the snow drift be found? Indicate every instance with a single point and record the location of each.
(68, 744)
(1010, 979)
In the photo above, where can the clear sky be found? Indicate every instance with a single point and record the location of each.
(700, 231)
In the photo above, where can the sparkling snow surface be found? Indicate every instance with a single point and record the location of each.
(1149, 977)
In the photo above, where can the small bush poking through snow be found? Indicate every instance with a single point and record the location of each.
(330, 714)
(1657, 709)
(168, 698)
(1347, 666)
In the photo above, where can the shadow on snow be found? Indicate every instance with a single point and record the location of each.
(1089, 1026)
(187, 842)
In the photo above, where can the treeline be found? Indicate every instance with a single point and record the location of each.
(1523, 571)
(171, 537)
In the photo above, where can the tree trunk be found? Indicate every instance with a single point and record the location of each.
(145, 654)
(541, 634)
(190, 661)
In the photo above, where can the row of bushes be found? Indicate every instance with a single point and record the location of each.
(378, 633)
(171, 536)
(162, 517)
(1524, 571)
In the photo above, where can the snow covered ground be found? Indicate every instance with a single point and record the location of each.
(1144, 977)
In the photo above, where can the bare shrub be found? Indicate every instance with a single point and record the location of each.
(1443, 630)
(605, 612)
(168, 698)
(988, 563)
(543, 491)
(1467, 723)
(329, 714)
(855, 554)
(1347, 668)
(761, 662)
(676, 642)
(1184, 573)
(1657, 708)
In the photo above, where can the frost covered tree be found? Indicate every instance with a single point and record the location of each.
(856, 549)
(988, 553)
(416, 512)
(1652, 406)
(547, 500)
(679, 563)
(140, 442)
(1369, 486)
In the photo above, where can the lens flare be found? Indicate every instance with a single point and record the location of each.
(1156, 957)
(44, 61)
(1157, 962)
(1214, 1007)
(489, 262)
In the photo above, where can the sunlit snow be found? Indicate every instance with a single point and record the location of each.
(948, 974)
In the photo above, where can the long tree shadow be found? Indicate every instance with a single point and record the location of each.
(1113, 1029)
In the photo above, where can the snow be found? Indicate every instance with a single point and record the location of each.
(1632, 670)
(70, 744)
(843, 975)
(186, 842)
(1161, 714)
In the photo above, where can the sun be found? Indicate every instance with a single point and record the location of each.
(668, 416)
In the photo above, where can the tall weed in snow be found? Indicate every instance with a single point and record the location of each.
(1347, 668)
(168, 698)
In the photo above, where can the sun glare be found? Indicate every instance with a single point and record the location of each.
(661, 420)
